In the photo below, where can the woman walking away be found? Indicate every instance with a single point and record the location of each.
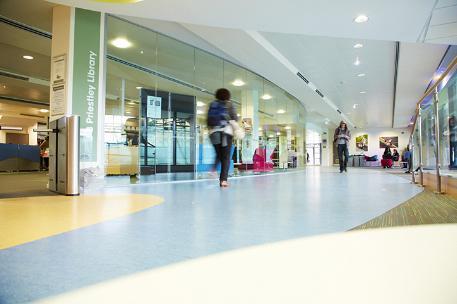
(342, 137)
(220, 113)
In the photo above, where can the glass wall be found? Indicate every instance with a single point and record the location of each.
(157, 95)
(447, 122)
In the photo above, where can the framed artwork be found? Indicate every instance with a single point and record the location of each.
(386, 141)
(361, 142)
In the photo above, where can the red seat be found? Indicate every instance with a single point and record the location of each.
(386, 163)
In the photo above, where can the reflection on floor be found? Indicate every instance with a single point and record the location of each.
(425, 208)
(179, 176)
(197, 219)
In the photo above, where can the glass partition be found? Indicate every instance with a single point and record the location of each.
(157, 95)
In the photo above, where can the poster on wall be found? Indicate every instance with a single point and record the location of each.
(361, 142)
(386, 141)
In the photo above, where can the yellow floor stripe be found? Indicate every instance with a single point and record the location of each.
(27, 219)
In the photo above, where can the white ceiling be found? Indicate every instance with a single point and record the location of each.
(416, 65)
(443, 23)
(391, 20)
(303, 41)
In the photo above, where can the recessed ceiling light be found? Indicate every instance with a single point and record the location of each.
(287, 128)
(358, 45)
(278, 133)
(44, 110)
(281, 111)
(121, 43)
(361, 19)
(139, 88)
(361, 75)
(260, 129)
(199, 112)
(131, 103)
(355, 105)
(128, 112)
(266, 96)
(119, 1)
(28, 57)
(200, 104)
(238, 83)
(326, 122)
(357, 61)
(362, 92)
(141, 52)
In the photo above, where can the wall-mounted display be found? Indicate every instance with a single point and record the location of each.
(385, 141)
(361, 142)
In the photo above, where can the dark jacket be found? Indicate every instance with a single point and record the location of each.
(339, 131)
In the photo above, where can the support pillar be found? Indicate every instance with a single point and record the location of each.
(77, 77)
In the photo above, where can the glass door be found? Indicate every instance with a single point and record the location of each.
(168, 133)
(313, 154)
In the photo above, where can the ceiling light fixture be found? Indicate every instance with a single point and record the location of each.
(28, 57)
(358, 45)
(260, 129)
(281, 111)
(287, 128)
(362, 92)
(200, 104)
(131, 103)
(238, 83)
(278, 133)
(266, 97)
(121, 43)
(357, 61)
(139, 88)
(7, 128)
(141, 52)
(361, 19)
(355, 105)
(44, 110)
(360, 75)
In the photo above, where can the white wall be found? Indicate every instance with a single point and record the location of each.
(373, 140)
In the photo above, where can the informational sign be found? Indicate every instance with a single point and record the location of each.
(58, 85)
(86, 69)
(154, 107)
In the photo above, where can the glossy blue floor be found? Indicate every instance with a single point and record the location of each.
(196, 219)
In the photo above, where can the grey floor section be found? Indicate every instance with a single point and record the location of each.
(199, 219)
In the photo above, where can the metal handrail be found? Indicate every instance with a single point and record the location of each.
(431, 90)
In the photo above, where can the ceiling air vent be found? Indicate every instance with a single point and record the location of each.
(25, 27)
(302, 77)
(319, 93)
(11, 75)
(338, 111)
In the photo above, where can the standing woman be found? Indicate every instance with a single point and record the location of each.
(221, 111)
(341, 138)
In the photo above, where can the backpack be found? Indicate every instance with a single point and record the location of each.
(217, 114)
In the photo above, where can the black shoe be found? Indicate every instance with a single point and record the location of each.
(341, 171)
(345, 170)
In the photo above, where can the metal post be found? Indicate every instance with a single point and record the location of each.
(437, 141)
(72, 151)
(411, 147)
(421, 172)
